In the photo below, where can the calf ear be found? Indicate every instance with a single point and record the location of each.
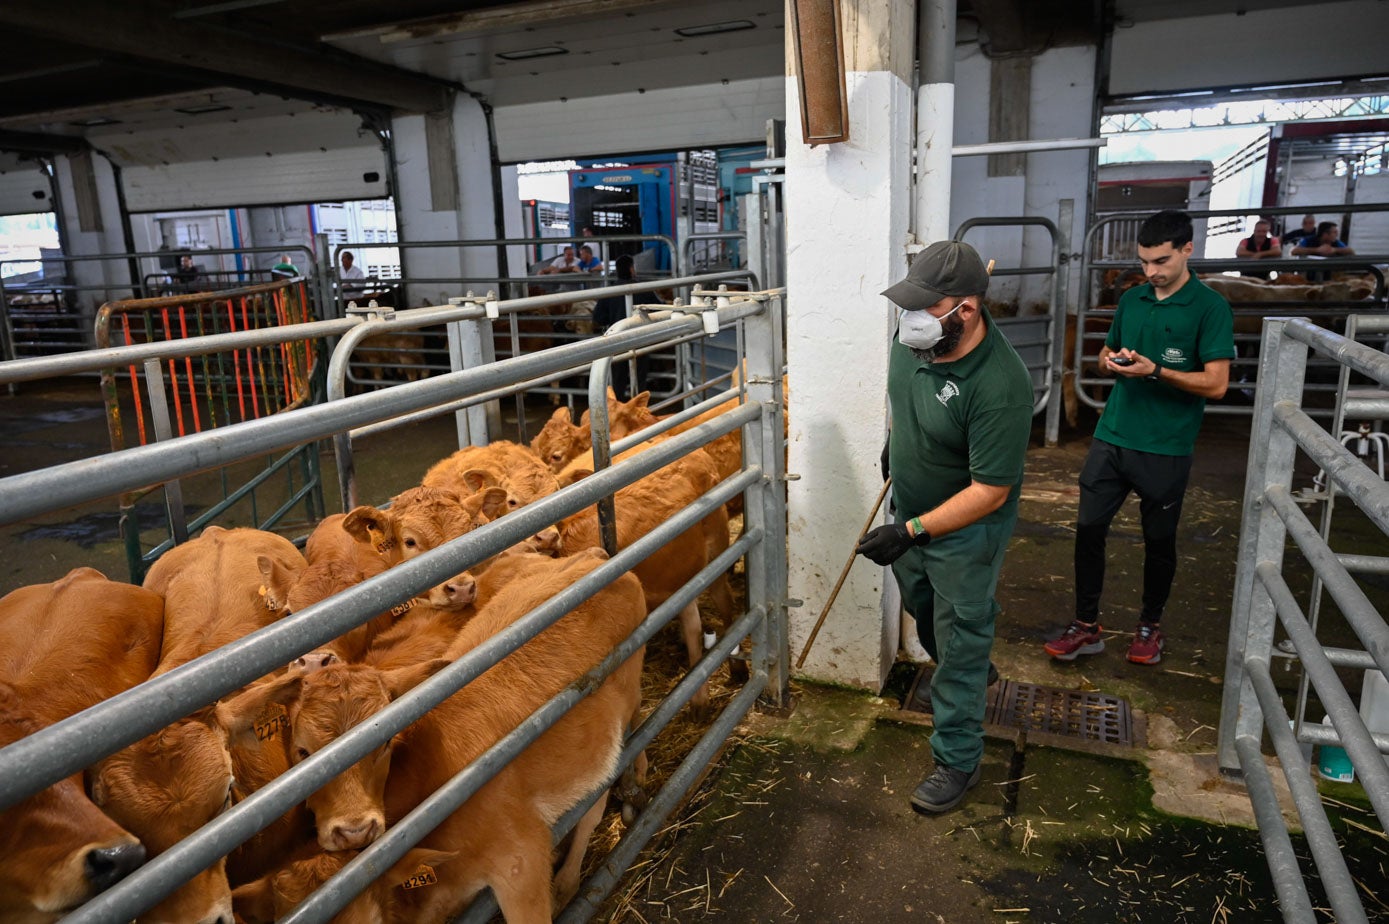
(562, 415)
(254, 902)
(640, 401)
(493, 502)
(369, 525)
(476, 479)
(409, 865)
(574, 476)
(403, 680)
(240, 713)
(276, 583)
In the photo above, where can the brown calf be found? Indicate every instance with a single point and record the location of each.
(502, 835)
(65, 647)
(169, 784)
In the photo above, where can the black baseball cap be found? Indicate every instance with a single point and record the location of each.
(942, 269)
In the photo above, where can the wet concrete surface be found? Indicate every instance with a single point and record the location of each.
(808, 819)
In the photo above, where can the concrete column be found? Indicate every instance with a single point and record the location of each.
(444, 170)
(847, 209)
(90, 212)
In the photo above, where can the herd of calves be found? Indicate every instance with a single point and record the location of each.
(68, 645)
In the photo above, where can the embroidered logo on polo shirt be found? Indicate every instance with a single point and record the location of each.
(949, 391)
(1174, 355)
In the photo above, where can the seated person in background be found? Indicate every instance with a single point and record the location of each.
(187, 275)
(1258, 246)
(588, 263)
(1325, 243)
(285, 269)
(1294, 234)
(564, 263)
(352, 276)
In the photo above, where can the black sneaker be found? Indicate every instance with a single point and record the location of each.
(944, 789)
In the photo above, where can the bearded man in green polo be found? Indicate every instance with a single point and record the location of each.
(961, 403)
(1170, 348)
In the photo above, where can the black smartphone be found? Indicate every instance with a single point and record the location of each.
(1121, 360)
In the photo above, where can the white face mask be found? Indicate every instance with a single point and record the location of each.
(922, 330)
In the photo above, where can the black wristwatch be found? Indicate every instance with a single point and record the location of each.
(1155, 375)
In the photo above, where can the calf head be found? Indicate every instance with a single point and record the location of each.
(167, 785)
(561, 440)
(421, 519)
(456, 593)
(276, 895)
(626, 418)
(349, 810)
(57, 849)
(522, 486)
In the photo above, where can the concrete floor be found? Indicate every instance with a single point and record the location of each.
(807, 819)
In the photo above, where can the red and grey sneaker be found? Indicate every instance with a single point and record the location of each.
(1079, 639)
(1147, 644)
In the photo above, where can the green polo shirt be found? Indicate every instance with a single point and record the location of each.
(959, 421)
(1184, 331)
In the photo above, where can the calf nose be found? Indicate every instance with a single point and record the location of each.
(107, 866)
(462, 590)
(357, 833)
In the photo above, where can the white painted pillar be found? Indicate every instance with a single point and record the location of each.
(444, 174)
(847, 210)
(91, 215)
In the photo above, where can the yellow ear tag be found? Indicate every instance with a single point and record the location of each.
(271, 721)
(424, 876)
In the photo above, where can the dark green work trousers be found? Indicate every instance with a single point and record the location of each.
(948, 588)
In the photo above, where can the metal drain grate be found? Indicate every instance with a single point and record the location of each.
(1069, 713)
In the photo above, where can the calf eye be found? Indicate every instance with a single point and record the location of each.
(301, 753)
(410, 543)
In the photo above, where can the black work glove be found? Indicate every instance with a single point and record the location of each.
(885, 544)
(886, 443)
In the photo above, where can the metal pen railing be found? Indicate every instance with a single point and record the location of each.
(32, 763)
(1264, 601)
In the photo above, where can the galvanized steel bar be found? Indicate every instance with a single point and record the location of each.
(1273, 832)
(669, 423)
(1282, 366)
(1321, 840)
(1357, 608)
(347, 883)
(159, 416)
(44, 367)
(1359, 745)
(598, 885)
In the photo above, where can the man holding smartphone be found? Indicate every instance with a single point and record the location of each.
(1170, 348)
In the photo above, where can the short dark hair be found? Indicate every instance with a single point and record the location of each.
(1325, 227)
(625, 267)
(1167, 225)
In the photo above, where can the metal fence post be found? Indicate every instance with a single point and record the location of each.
(765, 503)
(1060, 293)
(1282, 367)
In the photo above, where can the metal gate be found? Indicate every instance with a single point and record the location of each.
(1264, 602)
(217, 390)
(35, 762)
(1038, 340)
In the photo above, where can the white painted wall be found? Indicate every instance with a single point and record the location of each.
(665, 119)
(1060, 101)
(1261, 46)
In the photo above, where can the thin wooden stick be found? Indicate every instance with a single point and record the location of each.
(872, 515)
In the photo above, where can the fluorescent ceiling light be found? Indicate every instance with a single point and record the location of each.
(715, 28)
(544, 51)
